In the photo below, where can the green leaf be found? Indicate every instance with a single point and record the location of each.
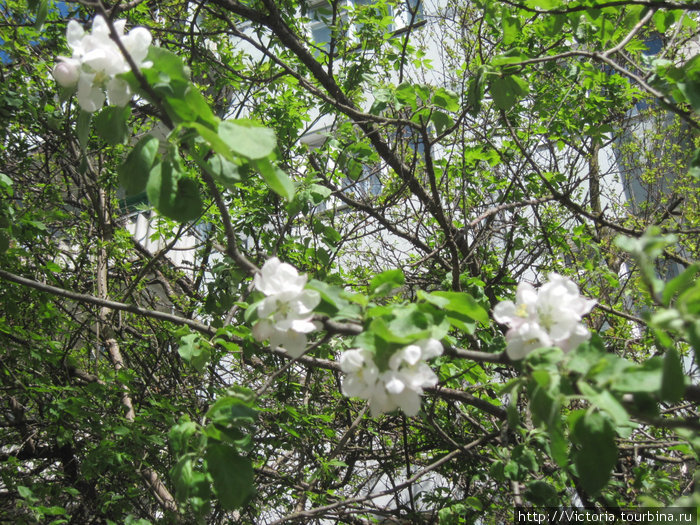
(441, 120)
(83, 128)
(544, 398)
(405, 95)
(475, 91)
(680, 283)
(463, 304)
(319, 193)
(232, 475)
(513, 56)
(596, 454)
(167, 67)
(188, 483)
(231, 411)
(604, 400)
(41, 14)
(212, 138)
(224, 171)
(446, 99)
(507, 90)
(413, 323)
(276, 179)
(691, 91)
(381, 328)
(640, 378)
(172, 194)
(694, 169)
(111, 124)
(25, 492)
(6, 183)
(541, 493)
(193, 351)
(384, 283)
(511, 27)
(53, 267)
(134, 171)
(673, 381)
(663, 20)
(333, 299)
(180, 434)
(558, 445)
(248, 138)
(192, 107)
(689, 300)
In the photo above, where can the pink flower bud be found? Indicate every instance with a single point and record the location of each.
(66, 73)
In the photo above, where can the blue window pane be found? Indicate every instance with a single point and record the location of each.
(654, 45)
(321, 34)
(415, 6)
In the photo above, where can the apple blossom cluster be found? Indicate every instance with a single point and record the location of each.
(400, 386)
(97, 60)
(285, 314)
(548, 316)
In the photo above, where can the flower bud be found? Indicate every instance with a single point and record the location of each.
(66, 73)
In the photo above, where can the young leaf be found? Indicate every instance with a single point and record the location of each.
(596, 454)
(385, 282)
(673, 380)
(133, 173)
(232, 475)
(276, 179)
(172, 194)
(248, 139)
(111, 124)
(446, 99)
(194, 352)
(441, 120)
(463, 304)
(507, 90)
(83, 128)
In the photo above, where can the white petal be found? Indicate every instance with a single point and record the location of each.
(379, 401)
(586, 305)
(74, 34)
(412, 354)
(504, 312)
(525, 339)
(119, 27)
(268, 306)
(409, 402)
(393, 383)
(526, 294)
(351, 360)
(422, 377)
(263, 281)
(99, 27)
(90, 97)
(309, 299)
(294, 343)
(304, 326)
(580, 335)
(137, 43)
(431, 348)
(353, 386)
(118, 92)
(263, 329)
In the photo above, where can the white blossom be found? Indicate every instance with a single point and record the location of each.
(285, 314)
(97, 60)
(400, 386)
(549, 316)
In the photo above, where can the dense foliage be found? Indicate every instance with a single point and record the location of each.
(398, 169)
